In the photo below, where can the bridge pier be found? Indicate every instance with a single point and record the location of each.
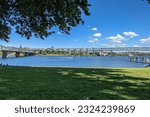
(139, 59)
(4, 54)
(29, 54)
(17, 54)
(26, 54)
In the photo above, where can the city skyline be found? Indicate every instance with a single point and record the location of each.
(112, 23)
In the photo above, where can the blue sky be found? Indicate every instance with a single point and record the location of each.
(112, 23)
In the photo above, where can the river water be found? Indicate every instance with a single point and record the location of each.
(54, 61)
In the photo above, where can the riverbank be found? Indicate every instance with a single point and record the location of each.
(74, 83)
(62, 55)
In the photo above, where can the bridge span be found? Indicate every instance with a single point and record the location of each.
(17, 51)
(100, 51)
(126, 49)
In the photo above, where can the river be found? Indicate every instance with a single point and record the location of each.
(78, 61)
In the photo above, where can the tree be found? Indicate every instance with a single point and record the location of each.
(40, 17)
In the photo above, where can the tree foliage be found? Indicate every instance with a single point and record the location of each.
(39, 17)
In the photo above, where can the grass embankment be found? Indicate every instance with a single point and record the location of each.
(74, 83)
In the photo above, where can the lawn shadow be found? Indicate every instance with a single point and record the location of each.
(110, 83)
(71, 83)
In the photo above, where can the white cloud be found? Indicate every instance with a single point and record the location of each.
(113, 45)
(94, 29)
(59, 33)
(75, 40)
(94, 40)
(122, 45)
(145, 41)
(97, 34)
(130, 34)
(136, 46)
(116, 39)
(104, 45)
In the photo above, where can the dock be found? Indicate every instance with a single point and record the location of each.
(140, 59)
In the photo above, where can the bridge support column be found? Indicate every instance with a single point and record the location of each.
(4, 54)
(32, 54)
(101, 53)
(17, 54)
(26, 54)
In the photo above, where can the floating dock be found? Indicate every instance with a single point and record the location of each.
(140, 59)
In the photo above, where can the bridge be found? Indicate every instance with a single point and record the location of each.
(136, 54)
(127, 49)
(17, 51)
(114, 49)
(132, 51)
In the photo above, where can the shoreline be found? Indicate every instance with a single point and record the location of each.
(78, 67)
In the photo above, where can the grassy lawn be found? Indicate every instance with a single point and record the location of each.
(74, 83)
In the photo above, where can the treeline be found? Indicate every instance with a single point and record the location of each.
(81, 53)
(66, 53)
(74, 53)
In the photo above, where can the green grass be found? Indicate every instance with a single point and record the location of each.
(74, 83)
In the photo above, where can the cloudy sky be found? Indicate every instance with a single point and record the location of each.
(113, 23)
